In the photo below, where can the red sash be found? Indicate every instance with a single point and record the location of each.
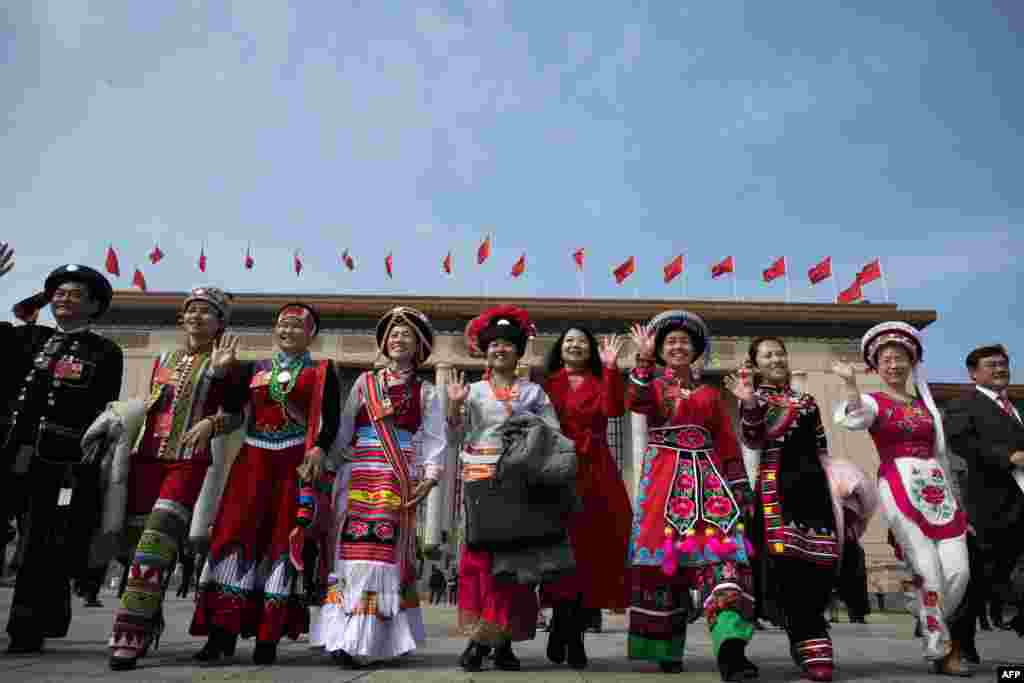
(380, 410)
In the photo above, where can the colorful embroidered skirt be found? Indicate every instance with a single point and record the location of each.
(371, 611)
(248, 585)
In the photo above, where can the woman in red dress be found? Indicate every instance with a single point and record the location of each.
(586, 388)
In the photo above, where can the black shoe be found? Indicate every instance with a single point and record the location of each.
(576, 654)
(556, 633)
(1017, 624)
(671, 667)
(983, 624)
(123, 663)
(970, 654)
(472, 659)
(25, 646)
(733, 664)
(265, 653)
(219, 644)
(1000, 624)
(93, 602)
(345, 660)
(857, 620)
(505, 660)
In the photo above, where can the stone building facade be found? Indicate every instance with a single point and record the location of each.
(146, 325)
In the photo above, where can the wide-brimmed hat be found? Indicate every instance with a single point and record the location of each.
(678, 319)
(99, 288)
(403, 315)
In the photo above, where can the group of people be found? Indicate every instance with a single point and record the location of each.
(312, 527)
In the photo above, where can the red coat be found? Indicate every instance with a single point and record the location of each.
(599, 534)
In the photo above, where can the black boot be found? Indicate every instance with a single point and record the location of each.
(265, 653)
(733, 664)
(472, 658)
(504, 659)
(345, 660)
(556, 633)
(983, 623)
(22, 645)
(219, 644)
(671, 667)
(577, 624)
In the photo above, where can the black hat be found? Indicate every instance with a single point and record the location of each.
(506, 329)
(403, 315)
(671, 321)
(308, 311)
(98, 284)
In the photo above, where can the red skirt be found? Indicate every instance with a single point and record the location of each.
(490, 611)
(249, 586)
(600, 537)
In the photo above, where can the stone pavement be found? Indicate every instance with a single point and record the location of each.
(883, 650)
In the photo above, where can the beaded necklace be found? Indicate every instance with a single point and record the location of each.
(284, 373)
(505, 394)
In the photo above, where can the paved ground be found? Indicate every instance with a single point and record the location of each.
(882, 650)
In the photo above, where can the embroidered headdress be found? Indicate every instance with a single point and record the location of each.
(420, 324)
(306, 313)
(509, 323)
(214, 296)
(909, 338)
(677, 319)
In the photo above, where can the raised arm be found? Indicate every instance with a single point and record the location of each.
(612, 390)
(640, 392)
(856, 411)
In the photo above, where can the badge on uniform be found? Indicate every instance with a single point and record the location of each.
(68, 368)
(260, 379)
(64, 498)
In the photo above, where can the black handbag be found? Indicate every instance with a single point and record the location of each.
(506, 514)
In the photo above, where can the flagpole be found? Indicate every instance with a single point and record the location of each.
(885, 285)
(835, 286)
(785, 267)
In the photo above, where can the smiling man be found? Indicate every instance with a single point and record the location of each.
(53, 384)
(986, 430)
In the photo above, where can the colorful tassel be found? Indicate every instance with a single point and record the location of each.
(748, 546)
(690, 545)
(669, 562)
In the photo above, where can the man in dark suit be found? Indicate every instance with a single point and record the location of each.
(54, 382)
(986, 430)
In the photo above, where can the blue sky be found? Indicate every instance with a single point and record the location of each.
(755, 129)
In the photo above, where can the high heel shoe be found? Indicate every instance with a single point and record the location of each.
(265, 653)
(472, 659)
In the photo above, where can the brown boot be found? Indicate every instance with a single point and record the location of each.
(953, 664)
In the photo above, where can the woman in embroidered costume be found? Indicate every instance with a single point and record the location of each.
(394, 433)
(493, 613)
(688, 532)
(914, 481)
(173, 471)
(799, 525)
(251, 584)
(586, 388)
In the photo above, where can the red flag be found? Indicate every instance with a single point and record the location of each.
(139, 280)
(624, 270)
(347, 259)
(870, 272)
(673, 269)
(112, 267)
(822, 271)
(446, 265)
(156, 255)
(778, 269)
(520, 266)
(483, 251)
(723, 267)
(578, 257)
(389, 264)
(298, 264)
(851, 294)
(249, 262)
(202, 260)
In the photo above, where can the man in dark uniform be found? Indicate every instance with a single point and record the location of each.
(54, 383)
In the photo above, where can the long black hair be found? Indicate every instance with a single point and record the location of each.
(556, 363)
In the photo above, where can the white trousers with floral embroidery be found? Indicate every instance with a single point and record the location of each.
(941, 572)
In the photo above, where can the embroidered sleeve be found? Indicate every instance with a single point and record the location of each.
(752, 422)
(860, 418)
(330, 410)
(641, 396)
(433, 442)
(612, 393)
(347, 422)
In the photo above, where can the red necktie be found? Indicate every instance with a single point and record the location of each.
(1004, 403)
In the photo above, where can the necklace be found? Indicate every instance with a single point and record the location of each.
(283, 377)
(505, 394)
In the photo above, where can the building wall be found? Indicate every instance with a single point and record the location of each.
(355, 350)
